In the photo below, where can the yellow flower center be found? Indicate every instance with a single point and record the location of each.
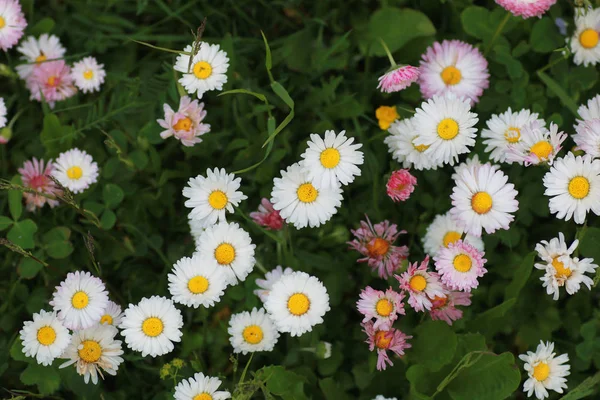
(384, 307)
(512, 134)
(298, 304)
(46, 335)
(88, 74)
(542, 149)
(203, 396)
(217, 200)
(462, 263)
(378, 247)
(80, 300)
(74, 172)
(152, 326)
(451, 75)
(561, 270)
(418, 283)
(383, 339)
(579, 187)
(225, 254)
(541, 371)
(90, 352)
(198, 284)
(183, 124)
(447, 129)
(202, 70)
(307, 193)
(2, 22)
(421, 147)
(52, 81)
(589, 38)
(253, 334)
(481, 202)
(40, 58)
(106, 319)
(439, 302)
(330, 158)
(451, 237)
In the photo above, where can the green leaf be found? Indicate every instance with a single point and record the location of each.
(282, 382)
(520, 277)
(588, 245)
(490, 321)
(5, 222)
(545, 37)
(554, 87)
(45, 25)
(433, 345)
(244, 91)
(332, 390)
(113, 195)
(46, 379)
(584, 389)
(108, 219)
(54, 136)
(475, 21)
(29, 268)
(15, 199)
(59, 249)
(22, 233)
(16, 352)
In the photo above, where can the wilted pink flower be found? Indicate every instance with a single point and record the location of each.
(400, 185)
(376, 244)
(52, 80)
(398, 79)
(267, 216)
(185, 124)
(12, 23)
(526, 8)
(421, 285)
(34, 175)
(444, 308)
(384, 340)
(460, 265)
(383, 306)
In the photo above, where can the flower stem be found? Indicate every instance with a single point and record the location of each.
(245, 369)
(497, 33)
(389, 54)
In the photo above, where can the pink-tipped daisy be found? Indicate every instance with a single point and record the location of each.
(88, 74)
(35, 51)
(398, 79)
(376, 244)
(421, 285)
(537, 145)
(383, 306)
(35, 175)
(12, 23)
(400, 185)
(186, 123)
(444, 308)
(526, 8)
(384, 340)
(460, 265)
(453, 67)
(587, 137)
(267, 216)
(53, 81)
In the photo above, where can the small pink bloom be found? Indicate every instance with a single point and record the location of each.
(383, 306)
(376, 244)
(384, 340)
(185, 124)
(526, 8)
(12, 23)
(400, 185)
(398, 79)
(459, 265)
(267, 216)
(421, 285)
(52, 80)
(444, 308)
(34, 175)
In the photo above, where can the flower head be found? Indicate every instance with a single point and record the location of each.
(208, 69)
(385, 116)
(421, 285)
(267, 216)
(252, 331)
(3, 112)
(460, 265)
(587, 137)
(400, 185)
(545, 371)
(200, 387)
(444, 308)
(445, 230)
(197, 281)
(585, 43)
(44, 338)
(398, 78)
(12, 23)
(88, 74)
(526, 8)
(383, 306)
(383, 340)
(76, 170)
(537, 145)
(401, 144)
(112, 315)
(271, 278)
(35, 175)
(185, 124)
(35, 51)
(53, 81)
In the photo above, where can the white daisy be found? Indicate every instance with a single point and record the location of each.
(207, 70)
(197, 281)
(545, 370)
(587, 137)
(297, 302)
(252, 331)
(588, 111)
(231, 248)
(585, 43)
(299, 202)
(445, 230)
(505, 129)
(573, 185)
(472, 162)
(47, 47)
(93, 350)
(113, 314)
(80, 300)
(210, 196)
(331, 161)
(401, 145)
(200, 387)
(271, 277)
(483, 199)
(44, 338)
(447, 125)
(152, 326)
(380, 397)
(88, 74)
(196, 229)
(12, 23)
(3, 112)
(537, 145)
(76, 170)
(568, 272)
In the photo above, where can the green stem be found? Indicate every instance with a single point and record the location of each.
(389, 54)
(551, 64)
(245, 369)
(497, 33)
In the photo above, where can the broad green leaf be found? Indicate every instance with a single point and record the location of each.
(59, 249)
(584, 389)
(282, 382)
(44, 25)
(56, 137)
(15, 199)
(558, 90)
(46, 379)
(433, 345)
(475, 21)
(490, 321)
(29, 268)
(113, 195)
(520, 277)
(108, 219)
(332, 390)
(588, 245)
(545, 37)
(5, 222)
(22, 233)
(16, 352)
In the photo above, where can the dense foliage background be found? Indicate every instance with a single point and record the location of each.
(327, 57)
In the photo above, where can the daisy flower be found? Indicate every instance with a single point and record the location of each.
(185, 124)
(393, 340)
(200, 387)
(588, 111)
(537, 145)
(469, 163)
(573, 185)
(402, 147)
(585, 43)
(483, 199)
(300, 202)
(460, 265)
(526, 8)
(444, 308)
(252, 331)
(376, 244)
(381, 397)
(271, 278)
(551, 251)
(545, 371)
(383, 306)
(421, 285)
(332, 161)
(570, 273)
(152, 326)
(385, 116)
(207, 69)
(587, 137)
(35, 51)
(44, 338)
(76, 170)
(53, 81)
(211, 196)
(445, 230)
(113, 315)
(12, 23)
(88, 74)
(230, 248)
(197, 281)
(94, 350)
(399, 78)
(297, 302)
(447, 126)
(3, 112)
(453, 67)
(400, 185)
(267, 216)
(35, 175)
(504, 130)
(196, 229)
(80, 300)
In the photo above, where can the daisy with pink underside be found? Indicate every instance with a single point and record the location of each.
(12, 23)
(399, 78)
(400, 185)
(35, 175)
(526, 8)
(375, 242)
(460, 265)
(538, 145)
(267, 216)
(383, 306)
(383, 340)
(444, 308)
(185, 124)
(53, 81)
(421, 285)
